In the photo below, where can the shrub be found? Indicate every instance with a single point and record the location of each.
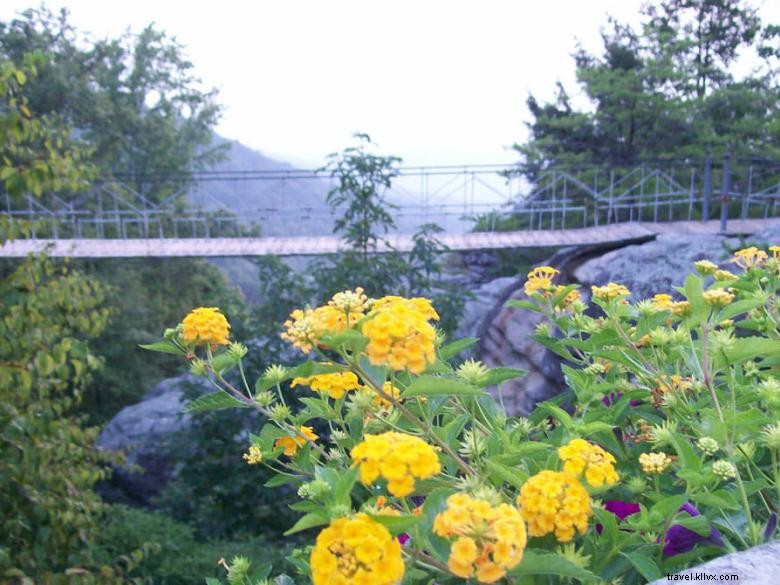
(177, 557)
(666, 456)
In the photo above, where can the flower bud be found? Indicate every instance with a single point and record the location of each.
(708, 445)
(724, 469)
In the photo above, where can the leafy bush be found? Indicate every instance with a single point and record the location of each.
(667, 455)
(177, 557)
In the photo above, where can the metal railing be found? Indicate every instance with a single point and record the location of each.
(460, 198)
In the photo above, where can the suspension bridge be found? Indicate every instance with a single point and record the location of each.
(251, 213)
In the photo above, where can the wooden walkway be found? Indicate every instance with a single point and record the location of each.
(304, 246)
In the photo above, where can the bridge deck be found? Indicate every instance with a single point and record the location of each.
(308, 246)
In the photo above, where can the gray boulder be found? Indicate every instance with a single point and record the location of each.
(140, 432)
(759, 565)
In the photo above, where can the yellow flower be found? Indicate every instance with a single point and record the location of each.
(571, 297)
(654, 463)
(705, 267)
(555, 502)
(539, 279)
(718, 297)
(291, 444)
(610, 291)
(581, 457)
(400, 335)
(775, 252)
(489, 540)
(681, 308)
(334, 385)
(356, 551)
(350, 301)
(398, 458)
(721, 275)
(253, 456)
(662, 302)
(205, 325)
(749, 257)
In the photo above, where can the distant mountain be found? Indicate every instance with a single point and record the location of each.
(282, 207)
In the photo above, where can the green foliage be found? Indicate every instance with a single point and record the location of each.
(140, 293)
(48, 510)
(134, 99)
(668, 440)
(177, 556)
(215, 491)
(664, 91)
(36, 153)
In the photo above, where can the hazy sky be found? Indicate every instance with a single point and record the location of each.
(432, 81)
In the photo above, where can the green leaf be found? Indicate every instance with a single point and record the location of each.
(720, 500)
(498, 375)
(506, 474)
(438, 386)
(557, 413)
(215, 401)
(517, 304)
(397, 524)
(739, 307)
(310, 520)
(669, 505)
(699, 524)
(748, 348)
(162, 346)
(694, 290)
(645, 564)
(312, 368)
(685, 451)
(546, 563)
(344, 484)
(349, 340)
(452, 349)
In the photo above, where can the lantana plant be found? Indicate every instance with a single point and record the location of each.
(662, 454)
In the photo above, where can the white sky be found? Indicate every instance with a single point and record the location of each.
(432, 81)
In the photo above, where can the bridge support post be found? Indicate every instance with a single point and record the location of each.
(724, 198)
(705, 202)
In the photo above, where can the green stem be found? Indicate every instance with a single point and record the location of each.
(746, 508)
(421, 424)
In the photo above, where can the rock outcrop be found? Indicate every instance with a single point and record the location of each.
(759, 565)
(140, 431)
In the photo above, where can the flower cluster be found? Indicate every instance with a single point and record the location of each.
(610, 291)
(749, 257)
(662, 302)
(350, 301)
(334, 385)
(583, 458)
(292, 443)
(718, 297)
(555, 502)
(253, 456)
(205, 325)
(356, 550)
(304, 328)
(489, 540)
(540, 279)
(654, 463)
(399, 333)
(398, 458)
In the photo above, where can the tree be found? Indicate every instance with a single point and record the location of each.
(48, 313)
(663, 92)
(134, 99)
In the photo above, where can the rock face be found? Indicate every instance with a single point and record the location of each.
(646, 269)
(140, 432)
(757, 566)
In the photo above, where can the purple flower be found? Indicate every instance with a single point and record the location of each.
(620, 508)
(403, 538)
(611, 398)
(680, 539)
